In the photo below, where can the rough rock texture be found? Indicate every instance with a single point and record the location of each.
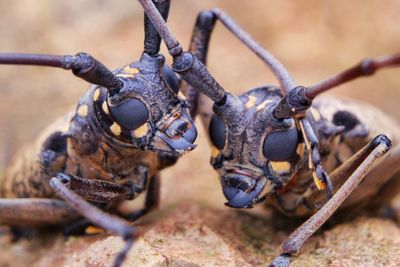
(193, 235)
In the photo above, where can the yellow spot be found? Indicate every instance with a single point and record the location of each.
(320, 184)
(96, 94)
(129, 70)
(104, 106)
(141, 131)
(83, 110)
(300, 149)
(125, 75)
(251, 102)
(214, 151)
(91, 230)
(315, 113)
(115, 129)
(263, 104)
(182, 96)
(280, 167)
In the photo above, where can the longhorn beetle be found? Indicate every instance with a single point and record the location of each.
(130, 124)
(275, 144)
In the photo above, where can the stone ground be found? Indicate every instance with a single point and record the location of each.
(194, 235)
(313, 38)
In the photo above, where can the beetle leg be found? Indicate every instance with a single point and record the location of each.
(375, 179)
(35, 212)
(368, 155)
(100, 191)
(321, 178)
(96, 216)
(390, 192)
(387, 202)
(152, 200)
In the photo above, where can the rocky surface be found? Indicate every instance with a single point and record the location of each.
(193, 235)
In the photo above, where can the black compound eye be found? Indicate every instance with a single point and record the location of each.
(280, 145)
(130, 114)
(216, 130)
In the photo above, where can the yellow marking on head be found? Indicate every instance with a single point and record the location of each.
(124, 75)
(115, 129)
(251, 102)
(96, 94)
(280, 167)
(300, 149)
(320, 184)
(91, 230)
(263, 104)
(214, 151)
(82, 110)
(129, 70)
(315, 113)
(104, 106)
(141, 131)
(180, 95)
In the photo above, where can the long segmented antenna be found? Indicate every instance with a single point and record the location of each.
(82, 65)
(191, 69)
(366, 68)
(152, 39)
(300, 98)
(281, 73)
(174, 47)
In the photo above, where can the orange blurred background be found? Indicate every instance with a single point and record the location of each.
(313, 38)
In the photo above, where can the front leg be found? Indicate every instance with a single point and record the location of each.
(100, 191)
(152, 200)
(35, 212)
(95, 215)
(358, 166)
(321, 178)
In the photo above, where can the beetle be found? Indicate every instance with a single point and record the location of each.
(275, 144)
(130, 124)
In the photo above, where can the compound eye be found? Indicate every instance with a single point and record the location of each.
(130, 114)
(216, 130)
(280, 145)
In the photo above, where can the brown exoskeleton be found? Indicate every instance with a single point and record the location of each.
(274, 144)
(130, 124)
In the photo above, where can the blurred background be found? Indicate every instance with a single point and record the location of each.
(313, 38)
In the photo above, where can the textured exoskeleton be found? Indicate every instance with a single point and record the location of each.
(129, 125)
(274, 144)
